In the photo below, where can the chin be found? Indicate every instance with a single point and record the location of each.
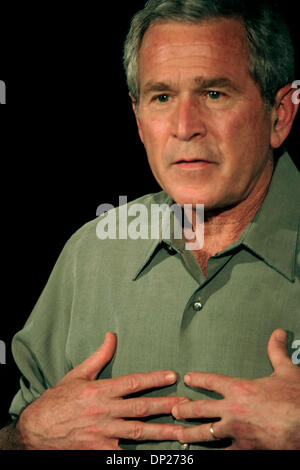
(192, 197)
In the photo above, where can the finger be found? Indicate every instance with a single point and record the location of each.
(128, 384)
(199, 409)
(277, 350)
(139, 431)
(210, 381)
(107, 444)
(91, 367)
(200, 433)
(144, 406)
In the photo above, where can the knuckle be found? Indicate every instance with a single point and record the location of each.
(140, 407)
(132, 383)
(137, 433)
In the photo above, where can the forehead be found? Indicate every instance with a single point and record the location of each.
(215, 46)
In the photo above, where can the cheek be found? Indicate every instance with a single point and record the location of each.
(244, 137)
(155, 136)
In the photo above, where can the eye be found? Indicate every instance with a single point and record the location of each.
(163, 98)
(215, 95)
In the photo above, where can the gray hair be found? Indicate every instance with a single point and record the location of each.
(271, 52)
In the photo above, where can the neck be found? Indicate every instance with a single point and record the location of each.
(223, 227)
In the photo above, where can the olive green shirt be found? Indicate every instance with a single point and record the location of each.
(165, 312)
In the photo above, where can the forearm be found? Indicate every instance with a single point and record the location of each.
(10, 438)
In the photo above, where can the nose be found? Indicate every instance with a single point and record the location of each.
(188, 121)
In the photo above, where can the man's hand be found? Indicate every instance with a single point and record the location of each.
(83, 413)
(260, 413)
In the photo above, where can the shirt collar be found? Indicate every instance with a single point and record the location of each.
(272, 235)
(165, 237)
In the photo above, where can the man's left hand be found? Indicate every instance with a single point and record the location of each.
(259, 413)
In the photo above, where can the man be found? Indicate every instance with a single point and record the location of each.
(198, 335)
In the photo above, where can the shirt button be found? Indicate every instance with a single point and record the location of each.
(184, 447)
(197, 306)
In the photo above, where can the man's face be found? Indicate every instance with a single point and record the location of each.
(200, 114)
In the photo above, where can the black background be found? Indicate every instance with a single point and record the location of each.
(68, 143)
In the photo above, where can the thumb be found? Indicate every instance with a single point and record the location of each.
(277, 349)
(90, 368)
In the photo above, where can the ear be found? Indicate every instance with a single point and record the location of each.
(136, 113)
(283, 115)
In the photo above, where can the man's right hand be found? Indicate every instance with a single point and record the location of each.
(83, 413)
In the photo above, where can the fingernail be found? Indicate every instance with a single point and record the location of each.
(187, 379)
(171, 377)
(175, 411)
(281, 335)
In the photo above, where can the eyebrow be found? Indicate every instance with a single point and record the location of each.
(201, 82)
(219, 82)
(156, 86)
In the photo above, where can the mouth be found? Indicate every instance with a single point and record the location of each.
(192, 164)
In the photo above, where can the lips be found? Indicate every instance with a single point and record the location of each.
(192, 164)
(191, 161)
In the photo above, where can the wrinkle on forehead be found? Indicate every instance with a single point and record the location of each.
(201, 39)
(211, 28)
(222, 42)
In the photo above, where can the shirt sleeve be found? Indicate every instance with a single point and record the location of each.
(40, 348)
